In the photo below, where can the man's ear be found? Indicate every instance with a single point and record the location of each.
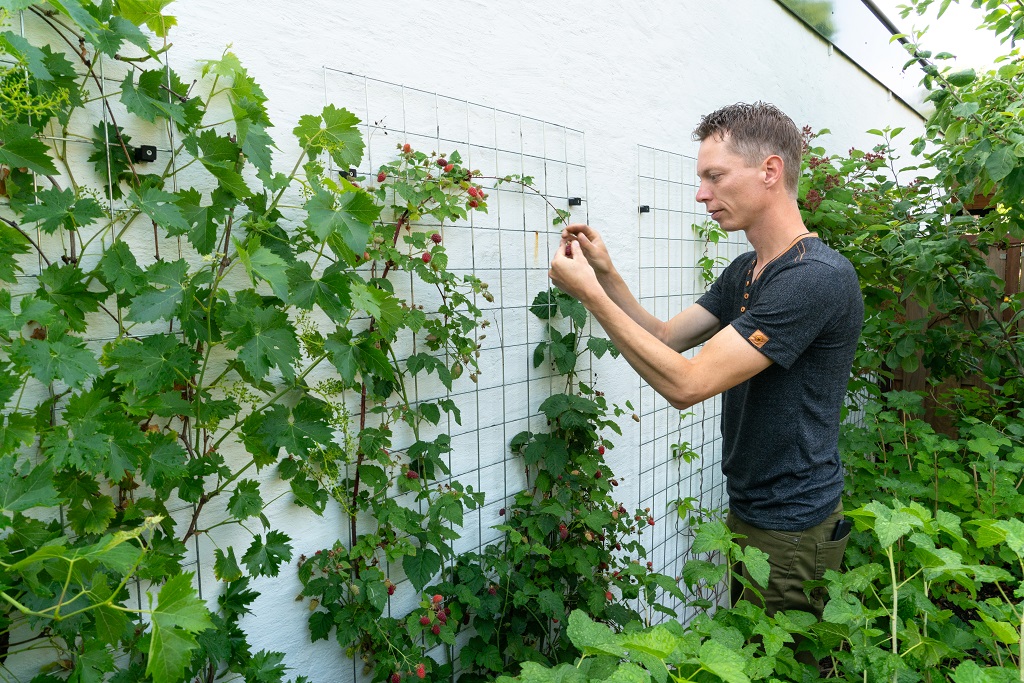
(772, 169)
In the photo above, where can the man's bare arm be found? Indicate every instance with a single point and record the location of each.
(726, 360)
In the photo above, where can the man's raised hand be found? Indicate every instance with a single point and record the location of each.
(592, 245)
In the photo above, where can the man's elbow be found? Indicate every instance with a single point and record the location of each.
(683, 399)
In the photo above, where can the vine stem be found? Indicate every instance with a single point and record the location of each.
(894, 615)
(27, 237)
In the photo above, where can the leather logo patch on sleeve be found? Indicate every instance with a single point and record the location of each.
(758, 339)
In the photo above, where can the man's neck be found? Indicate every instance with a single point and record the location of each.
(776, 232)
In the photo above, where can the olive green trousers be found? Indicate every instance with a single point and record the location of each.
(794, 557)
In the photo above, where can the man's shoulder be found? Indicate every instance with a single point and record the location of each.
(819, 259)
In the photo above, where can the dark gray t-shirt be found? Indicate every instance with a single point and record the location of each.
(780, 428)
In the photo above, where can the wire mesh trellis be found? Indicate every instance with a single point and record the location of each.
(681, 453)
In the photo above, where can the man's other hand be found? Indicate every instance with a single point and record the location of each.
(593, 247)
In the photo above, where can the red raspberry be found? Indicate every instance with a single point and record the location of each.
(436, 238)
(473, 192)
(448, 168)
(600, 449)
(395, 678)
(436, 630)
(501, 512)
(447, 611)
(650, 521)
(438, 599)
(492, 590)
(425, 620)
(411, 475)
(421, 671)
(391, 589)
(381, 177)
(608, 596)
(563, 532)
(615, 482)
(597, 475)
(474, 203)
(442, 162)
(426, 257)
(407, 148)
(650, 565)
(442, 617)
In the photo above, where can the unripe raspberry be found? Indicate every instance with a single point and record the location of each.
(421, 671)
(407, 148)
(448, 168)
(608, 596)
(438, 599)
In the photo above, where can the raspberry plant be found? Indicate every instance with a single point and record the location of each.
(257, 329)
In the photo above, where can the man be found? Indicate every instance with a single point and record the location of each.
(780, 324)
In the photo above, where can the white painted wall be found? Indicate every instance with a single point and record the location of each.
(623, 73)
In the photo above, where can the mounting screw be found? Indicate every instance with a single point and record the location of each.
(144, 153)
(575, 201)
(644, 208)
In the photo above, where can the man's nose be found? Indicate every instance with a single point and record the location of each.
(703, 196)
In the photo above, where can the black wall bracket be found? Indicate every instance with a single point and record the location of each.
(144, 154)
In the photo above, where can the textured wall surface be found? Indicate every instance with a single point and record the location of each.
(598, 100)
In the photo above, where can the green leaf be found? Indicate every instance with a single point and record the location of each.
(225, 566)
(961, 78)
(338, 135)
(756, 562)
(121, 271)
(592, 638)
(421, 567)
(220, 156)
(179, 613)
(723, 662)
(66, 286)
(151, 99)
(350, 217)
(246, 500)
(20, 148)
(265, 559)
(23, 487)
(65, 358)
(61, 209)
(147, 12)
(155, 304)
(1000, 162)
(264, 264)
(265, 339)
(12, 243)
(152, 364)
(27, 54)
(162, 209)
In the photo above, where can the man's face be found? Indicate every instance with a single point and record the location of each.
(730, 189)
